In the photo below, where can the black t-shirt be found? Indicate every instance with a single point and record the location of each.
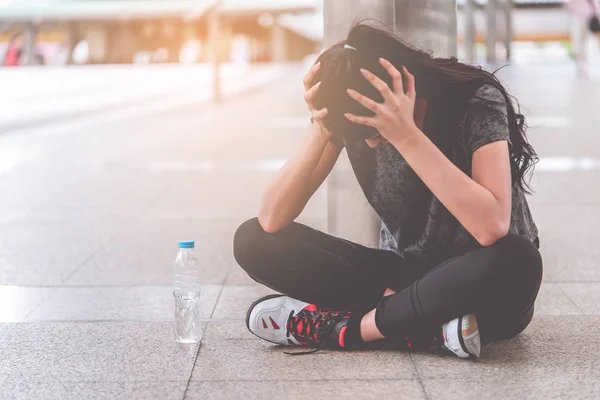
(415, 224)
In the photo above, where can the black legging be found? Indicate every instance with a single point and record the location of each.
(498, 284)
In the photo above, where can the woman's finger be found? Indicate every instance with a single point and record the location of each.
(395, 74)
(309, 95)
(364, 100)
(411, 90)
(380, 85)
(368, 121)
(319, 115)
(310, 75)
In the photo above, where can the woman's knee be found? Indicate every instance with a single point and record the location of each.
(514, 278)
(247, 243)
(519, 247)
(518, 257)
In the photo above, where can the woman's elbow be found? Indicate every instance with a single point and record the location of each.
(493, 232)
(265, 218)
(273, 219)
(268, 225)
(272, 224)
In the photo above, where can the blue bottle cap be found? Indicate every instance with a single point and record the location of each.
(186, 244)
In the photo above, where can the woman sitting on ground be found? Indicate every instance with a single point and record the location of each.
(441, 155)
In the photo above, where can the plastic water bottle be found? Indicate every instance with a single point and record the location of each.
(186, 290)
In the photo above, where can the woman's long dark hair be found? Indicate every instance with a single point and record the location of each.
(340, 69)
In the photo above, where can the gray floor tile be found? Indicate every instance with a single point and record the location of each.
(138, 303)
(547, 277)
(552, 300)
(46, 253)
(228, 329)
(18, 302)
(565, 268)
(126, 266)
(20, 191)
(92, 189)
(12, 213)
(209, 197)
(235, 300)
(146, 255)
(94, 352)
(237, 276)
(93, 390)
(569, 242)
(557, 387)
(567, 189)
(256, 360)
(307, 390)
(69, 213)
(586, 296)
(549, 347)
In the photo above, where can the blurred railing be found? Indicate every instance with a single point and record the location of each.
(521, 3)
(503, 20)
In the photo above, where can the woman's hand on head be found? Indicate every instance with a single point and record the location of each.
(309, 96)
(394, 118)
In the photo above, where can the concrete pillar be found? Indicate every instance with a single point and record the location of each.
(491, 36)
(214, 43)
(278, 43)
(98, 39)
(29, 39)
(429, 23)
(349, 215)
(339, 16)
(470, 30)
(508, 20)
(73, 37)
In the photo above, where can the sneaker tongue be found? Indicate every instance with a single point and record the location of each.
(311, 308)
(299, 327)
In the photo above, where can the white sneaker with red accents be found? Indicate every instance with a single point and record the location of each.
(267, 318)
(283, 320)
(461, 337)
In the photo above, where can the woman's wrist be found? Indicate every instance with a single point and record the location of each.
(317, 130)
(408, 140)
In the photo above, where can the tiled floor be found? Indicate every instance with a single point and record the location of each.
(89, 221)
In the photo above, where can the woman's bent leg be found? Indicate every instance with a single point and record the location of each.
(498, 284)
(317, 268)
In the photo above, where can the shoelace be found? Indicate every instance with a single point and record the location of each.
(312, 325)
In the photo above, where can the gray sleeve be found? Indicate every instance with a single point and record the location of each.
(486, 119)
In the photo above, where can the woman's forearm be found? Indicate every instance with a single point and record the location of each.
(292, 187)
(473, 205)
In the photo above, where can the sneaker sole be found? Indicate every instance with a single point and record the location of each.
(462, 338)
(269, 297)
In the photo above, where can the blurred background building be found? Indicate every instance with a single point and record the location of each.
(168, 31)
(158, 31)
